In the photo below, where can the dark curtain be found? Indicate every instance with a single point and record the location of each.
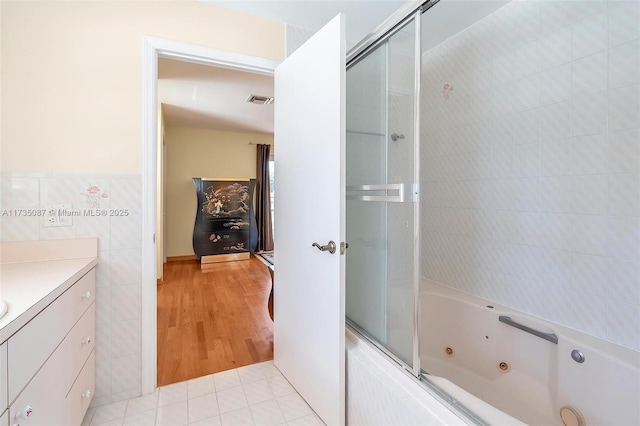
(263, 200)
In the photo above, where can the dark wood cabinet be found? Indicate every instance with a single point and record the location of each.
(225, 226)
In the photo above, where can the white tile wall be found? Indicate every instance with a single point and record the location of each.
(541, 209)
(623, 22)
(118, 274)
(590, 33)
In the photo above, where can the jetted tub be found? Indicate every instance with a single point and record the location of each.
(522, 374)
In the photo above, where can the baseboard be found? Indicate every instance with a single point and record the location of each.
(216, 258)
(181, 258)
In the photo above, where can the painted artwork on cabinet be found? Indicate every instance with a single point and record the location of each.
(226, 200)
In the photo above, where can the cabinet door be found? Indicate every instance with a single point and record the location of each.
(42, 400)
(4, 419)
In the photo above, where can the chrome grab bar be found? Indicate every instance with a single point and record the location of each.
(546, 336)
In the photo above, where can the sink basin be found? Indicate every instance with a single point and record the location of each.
(3, 308)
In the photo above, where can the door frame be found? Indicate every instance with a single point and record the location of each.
(154, 48)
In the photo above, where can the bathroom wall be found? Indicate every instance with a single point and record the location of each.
(107, 207)
(201, 153)
(71, 133)
(75, 69)
(531, 163)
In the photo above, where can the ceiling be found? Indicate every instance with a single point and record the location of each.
(206, 97)
(362, 16)
(201, 96)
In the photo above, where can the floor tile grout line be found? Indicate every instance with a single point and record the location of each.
(265, 377)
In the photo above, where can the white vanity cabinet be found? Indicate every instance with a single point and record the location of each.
(4, 412)
(35, 342)
(51, 360)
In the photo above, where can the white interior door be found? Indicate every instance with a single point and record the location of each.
(309, 283)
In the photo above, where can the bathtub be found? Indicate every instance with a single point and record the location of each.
(465, 345)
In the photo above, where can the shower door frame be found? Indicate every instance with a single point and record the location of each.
(413, 10)
(377, 39)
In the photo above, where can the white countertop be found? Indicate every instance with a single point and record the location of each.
(28, 287)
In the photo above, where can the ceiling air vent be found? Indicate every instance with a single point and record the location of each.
(260, 100)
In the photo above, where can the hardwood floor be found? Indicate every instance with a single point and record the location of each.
(212, 319)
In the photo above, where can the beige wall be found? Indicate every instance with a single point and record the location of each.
(72, 75)
(201, 153)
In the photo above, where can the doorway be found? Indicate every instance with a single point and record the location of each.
(153, 50)
(211, 317)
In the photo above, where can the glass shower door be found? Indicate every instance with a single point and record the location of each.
(381, 258)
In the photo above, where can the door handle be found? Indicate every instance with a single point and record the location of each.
(331, 247)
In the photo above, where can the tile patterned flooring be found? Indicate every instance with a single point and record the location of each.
(257, 394)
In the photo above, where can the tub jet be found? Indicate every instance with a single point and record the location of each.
(504, 366)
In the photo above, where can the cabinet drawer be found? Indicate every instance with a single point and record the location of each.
(30, 347)
(76, 347)
(78, 399)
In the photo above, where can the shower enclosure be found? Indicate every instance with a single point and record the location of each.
(382, 176)
(492, 151)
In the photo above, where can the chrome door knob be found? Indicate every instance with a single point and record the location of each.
(330, 247)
